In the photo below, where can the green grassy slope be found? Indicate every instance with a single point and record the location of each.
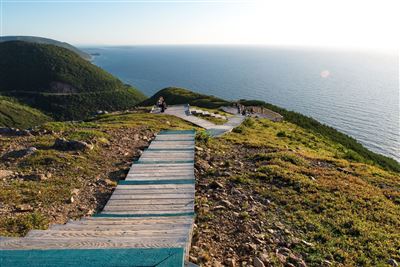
(354, 150)
(289, 187)
(41, 40)
(174, 96)
(60, 82)
(15, 114)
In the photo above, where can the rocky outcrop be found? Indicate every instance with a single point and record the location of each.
(14, 131)
(20, 153)
(66, 145)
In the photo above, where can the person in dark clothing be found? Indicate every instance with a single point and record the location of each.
(162, 104)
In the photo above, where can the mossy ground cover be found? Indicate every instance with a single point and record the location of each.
(299, 191)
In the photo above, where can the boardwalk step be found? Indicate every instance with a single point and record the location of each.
(147, 221)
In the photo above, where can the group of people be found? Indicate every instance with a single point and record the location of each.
(161, 104)
(243, 110)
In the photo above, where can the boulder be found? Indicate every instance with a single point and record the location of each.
(34, 177)
(5, 174)
(63, 144)
(14, 131)
(20, 153)
(23, 207)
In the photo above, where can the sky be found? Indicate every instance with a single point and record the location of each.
(330, 23)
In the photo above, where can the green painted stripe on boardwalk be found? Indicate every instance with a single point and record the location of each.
(107, 257)
(169, 149)
(172, 181)
(177, 132)
(162, 161)
(109, 215)
(174, 140)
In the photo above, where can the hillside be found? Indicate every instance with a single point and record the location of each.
(41, 40)
(14, 114)
(174, 96)
(288, 196)
(274, 191)
(353, 150)
(60, 82)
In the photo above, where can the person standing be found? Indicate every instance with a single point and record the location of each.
(161, 104)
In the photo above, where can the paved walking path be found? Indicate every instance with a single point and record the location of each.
(147, 221)
(182, 111)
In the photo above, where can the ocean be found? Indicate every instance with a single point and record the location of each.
(356, 92)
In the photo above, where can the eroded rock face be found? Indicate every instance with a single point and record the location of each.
(63, 144)
(60, 87)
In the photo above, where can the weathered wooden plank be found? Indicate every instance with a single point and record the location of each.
(164, 174)
(150, 208)
(143, 234)
(150, 201)
(160, 168)
(155, 186)
(150, 182)
(134, 221)
(146, 213)
(160, 178)
(96, 242)
(168, 132)
(149, 211)
(174, 137)
(150, 161)
(122, 257)
(172, 143)
(119, 226)
(149, 196)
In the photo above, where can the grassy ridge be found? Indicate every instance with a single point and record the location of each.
(81, 106)
(346, 212)
(176, 96)
(15, 114)
(60, 82)
(353, 149)
(41, 40)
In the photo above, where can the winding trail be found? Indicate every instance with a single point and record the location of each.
(182, 111)
(147, 221)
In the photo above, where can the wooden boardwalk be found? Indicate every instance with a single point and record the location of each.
(182, 111)
(147, 221)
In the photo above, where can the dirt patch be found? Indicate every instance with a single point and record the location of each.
(51, 186)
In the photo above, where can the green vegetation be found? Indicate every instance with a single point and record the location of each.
(354, 149)
(60, 82)
(347, 211)
(15, 114)
(217, 121)
(175, 96)
(41, 40)
(85, 171)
